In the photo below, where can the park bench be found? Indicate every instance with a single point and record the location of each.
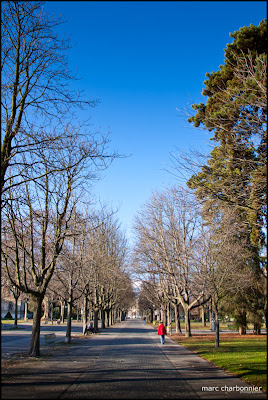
(50, 339)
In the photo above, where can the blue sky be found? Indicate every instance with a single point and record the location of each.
(143, 61)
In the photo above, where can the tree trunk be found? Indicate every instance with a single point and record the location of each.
(168, 315)
(69, 320)
(217, 332)
(46, 309)
(243, 322)
(35, 338)
(203, 311)
(16, 311)
(110, 317)
(62, 312)
(25, 310)
(210, 314)
(103, 319)
(96, 318)
(107, 318)
(165, 317)
(187, 322)
(85, 312)
(51, 312)
(257, 328)
(177, 318)
(16, 295)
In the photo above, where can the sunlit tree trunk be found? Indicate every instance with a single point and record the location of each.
(35, 338)
(85, 313)
(203, 311)
(51, 311)
(187, 322)
(177, 318)
(26, 310)
(46, 311)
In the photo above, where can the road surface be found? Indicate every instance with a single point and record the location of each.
(125, 361)
(18, 340)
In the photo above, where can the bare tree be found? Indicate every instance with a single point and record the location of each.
(106, 251)
(125, 295)
(220, 262)
(35, 87)
(37, 216)
(146, 302)
(72, 266)
(167, 231)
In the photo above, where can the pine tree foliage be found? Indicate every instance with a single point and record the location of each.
(236, 114)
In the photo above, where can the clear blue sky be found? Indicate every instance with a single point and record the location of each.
(143, 60)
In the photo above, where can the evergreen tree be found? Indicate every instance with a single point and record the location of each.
(234, 177)
(236, 112)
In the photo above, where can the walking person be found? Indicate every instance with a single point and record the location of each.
(162, 332)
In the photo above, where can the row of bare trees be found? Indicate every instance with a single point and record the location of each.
(184, 262)
(49, 160)
(89, 270)
(92, 271)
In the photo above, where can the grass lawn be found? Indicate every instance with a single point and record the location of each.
(199, 325)
(243, 356)
(10, 321)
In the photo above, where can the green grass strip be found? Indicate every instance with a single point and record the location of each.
(243, 356)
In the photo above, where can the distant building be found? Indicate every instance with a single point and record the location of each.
(134, 311)
(8, 306)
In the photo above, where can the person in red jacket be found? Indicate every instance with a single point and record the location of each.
(162, 332)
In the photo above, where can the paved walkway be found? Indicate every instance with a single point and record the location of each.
(125, 361)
